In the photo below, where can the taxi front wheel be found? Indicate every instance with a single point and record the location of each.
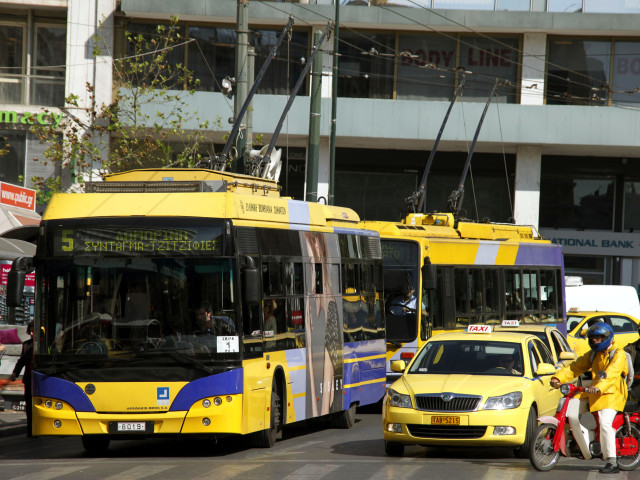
(532, 425)
(393, 449)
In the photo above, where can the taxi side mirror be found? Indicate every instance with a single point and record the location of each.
(398, 366)
(545, 369)
(568, 355)
(583, 332)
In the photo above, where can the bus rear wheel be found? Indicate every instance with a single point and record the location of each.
(96, 444)
(345, 418)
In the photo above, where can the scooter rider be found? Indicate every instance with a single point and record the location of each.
(607, 394)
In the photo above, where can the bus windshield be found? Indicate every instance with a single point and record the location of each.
(400, 259)
(156, 314)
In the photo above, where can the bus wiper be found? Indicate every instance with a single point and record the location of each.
(178, 358)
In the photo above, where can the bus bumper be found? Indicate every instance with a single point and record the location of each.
(215, 415)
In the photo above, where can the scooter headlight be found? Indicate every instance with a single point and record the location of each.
(565, 389)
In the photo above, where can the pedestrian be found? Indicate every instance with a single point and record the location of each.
(26, 361)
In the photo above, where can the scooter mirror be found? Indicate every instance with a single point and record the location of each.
(601, 374)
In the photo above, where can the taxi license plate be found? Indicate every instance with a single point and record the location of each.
(445, 420)
(131, 427)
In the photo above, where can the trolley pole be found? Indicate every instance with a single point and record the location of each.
(314, 123)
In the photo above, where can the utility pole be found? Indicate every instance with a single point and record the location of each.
(242, 45)
(314, 123)
(334, 107)
(251, 59)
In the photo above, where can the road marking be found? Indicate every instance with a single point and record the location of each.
(312, 471)
(52, 472)
(397, 472)
(142, 471)
(228, 471)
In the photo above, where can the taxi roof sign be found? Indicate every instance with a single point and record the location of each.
(510, 323)
(479, 329)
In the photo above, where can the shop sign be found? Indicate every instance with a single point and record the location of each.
(16, 196)
(30, 118)
(5, 268)
(595, 243)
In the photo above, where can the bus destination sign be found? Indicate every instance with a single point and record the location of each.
(137, 241)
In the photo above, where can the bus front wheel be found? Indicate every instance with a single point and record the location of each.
(267, 438)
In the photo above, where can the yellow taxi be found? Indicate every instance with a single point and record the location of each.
(624, 326)
(553, 338)
(472, 388)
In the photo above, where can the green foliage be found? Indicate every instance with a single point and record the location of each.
(148, 112)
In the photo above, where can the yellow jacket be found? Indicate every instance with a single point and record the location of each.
(613, 389)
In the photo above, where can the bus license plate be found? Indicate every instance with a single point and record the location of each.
(445, 420)
(131, 426)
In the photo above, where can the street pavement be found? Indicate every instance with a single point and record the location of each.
(12, 423)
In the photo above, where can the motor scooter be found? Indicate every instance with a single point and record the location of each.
(554, 437)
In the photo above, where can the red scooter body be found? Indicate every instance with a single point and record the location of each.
(551, 438)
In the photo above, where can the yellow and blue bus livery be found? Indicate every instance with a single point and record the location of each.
(192, 301)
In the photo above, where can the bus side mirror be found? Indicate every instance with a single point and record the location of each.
(15, 280)
(428, 275)
(251, 282)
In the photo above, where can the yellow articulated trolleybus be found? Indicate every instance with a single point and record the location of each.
(194, 301)
(462, 274)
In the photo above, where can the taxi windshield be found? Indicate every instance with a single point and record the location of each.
(469, 358)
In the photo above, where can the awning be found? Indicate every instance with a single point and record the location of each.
(12, 217)
(10, 249)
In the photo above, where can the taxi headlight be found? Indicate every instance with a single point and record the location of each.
(504, 402)
(396, 399)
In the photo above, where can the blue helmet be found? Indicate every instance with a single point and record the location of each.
(603, 329)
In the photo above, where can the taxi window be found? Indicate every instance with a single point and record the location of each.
(545, 354)
(623, 325)
(573, 321)
(559, 343)
(468, 358)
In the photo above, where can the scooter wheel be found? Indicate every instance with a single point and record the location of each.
(542, 455)
(629, 462)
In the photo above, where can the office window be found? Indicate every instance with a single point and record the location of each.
(47, 83)
(11, 63)
(578, 71)
(47, 59)
(626, 73)
(366, 64)
(427, 63)
(575, 201)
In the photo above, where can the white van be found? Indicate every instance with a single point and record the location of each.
(600, 298)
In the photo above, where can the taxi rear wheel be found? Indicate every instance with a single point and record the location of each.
(532, 425)
(393, 449)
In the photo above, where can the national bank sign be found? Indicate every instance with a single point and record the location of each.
(595, 242)
(30, 118)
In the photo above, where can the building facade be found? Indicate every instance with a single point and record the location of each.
(558, 147)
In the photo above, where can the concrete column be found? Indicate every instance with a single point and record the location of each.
(86, 20)
(534, 46)
(527, 185)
